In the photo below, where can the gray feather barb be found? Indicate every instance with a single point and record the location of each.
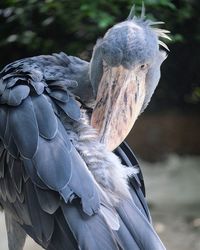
(132, 13)
(143, 11)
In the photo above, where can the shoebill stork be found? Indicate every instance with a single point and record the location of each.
(64, 179)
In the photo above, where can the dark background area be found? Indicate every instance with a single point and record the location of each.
(34, 27)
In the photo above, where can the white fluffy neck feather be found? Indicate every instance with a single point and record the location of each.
(105, 166)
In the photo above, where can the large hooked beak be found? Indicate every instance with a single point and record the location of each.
(119, 101)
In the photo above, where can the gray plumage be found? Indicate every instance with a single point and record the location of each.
(58, 183)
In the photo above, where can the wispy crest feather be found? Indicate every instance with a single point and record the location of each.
(163, 34)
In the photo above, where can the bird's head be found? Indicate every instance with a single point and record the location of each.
(124, 72)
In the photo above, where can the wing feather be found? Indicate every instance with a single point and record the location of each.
(15, 172)
(44, 115)
(3, 120)
(42, 223)
(49, 200)
(71, 108)
(60, 95)
(24, 128)
(53, 163)
(88, 238)
(18, 94)
(13, 150)
(31, 172)
(2, 161)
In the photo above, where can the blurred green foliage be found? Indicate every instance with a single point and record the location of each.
(49, 25)
(32, 27)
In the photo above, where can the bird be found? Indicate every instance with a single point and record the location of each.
(67, 178)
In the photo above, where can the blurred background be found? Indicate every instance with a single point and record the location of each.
(166, 137)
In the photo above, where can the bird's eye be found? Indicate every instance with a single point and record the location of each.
(143, 66)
